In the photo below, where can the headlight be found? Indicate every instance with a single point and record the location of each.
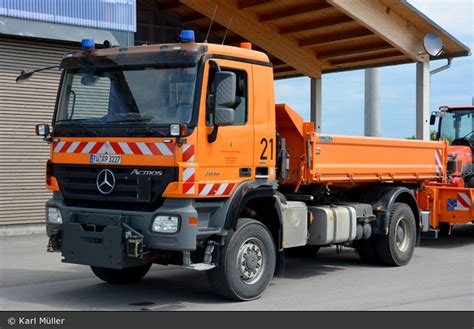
(165, 224)
(175, 130)
(53, 215)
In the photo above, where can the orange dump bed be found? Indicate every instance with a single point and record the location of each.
(342, 160)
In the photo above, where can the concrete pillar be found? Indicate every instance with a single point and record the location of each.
(316, 103)
(372, 103)
(423, 101)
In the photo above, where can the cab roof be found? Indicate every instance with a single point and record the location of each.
(200, 48)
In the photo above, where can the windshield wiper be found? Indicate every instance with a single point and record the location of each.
(129, 117)
(78, 122)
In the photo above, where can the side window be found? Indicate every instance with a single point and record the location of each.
(241, 111)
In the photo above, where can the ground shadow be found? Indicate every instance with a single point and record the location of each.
(326, 261)
(164, 287)
(461, 235)
(160, 289)
(168, 288)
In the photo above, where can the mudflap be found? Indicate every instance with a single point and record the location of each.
(83, 244)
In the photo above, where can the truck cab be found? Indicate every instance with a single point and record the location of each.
(456, 125)
(149, 145)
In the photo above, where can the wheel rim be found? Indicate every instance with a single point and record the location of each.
(251, 260)
(402, 234)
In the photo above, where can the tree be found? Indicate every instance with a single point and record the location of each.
(433, 134)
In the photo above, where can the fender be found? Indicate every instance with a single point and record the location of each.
(241, 198)
(225, 213)
(249, 193)
(383, 198)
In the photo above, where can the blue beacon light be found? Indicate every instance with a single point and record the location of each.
(187, 36)
(88, 44)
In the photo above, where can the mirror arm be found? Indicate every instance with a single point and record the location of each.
(30, 73)
(212, 62)
(211, 138)
(46, 68)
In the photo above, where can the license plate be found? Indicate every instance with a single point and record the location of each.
(105, 158)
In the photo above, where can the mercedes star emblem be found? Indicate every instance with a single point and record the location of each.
(105, 181)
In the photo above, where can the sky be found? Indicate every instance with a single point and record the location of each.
(343, 93)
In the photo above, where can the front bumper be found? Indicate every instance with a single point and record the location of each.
(107, 237)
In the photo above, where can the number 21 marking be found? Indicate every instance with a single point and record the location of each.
(265, 143)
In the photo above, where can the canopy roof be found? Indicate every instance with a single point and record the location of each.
(310, 37)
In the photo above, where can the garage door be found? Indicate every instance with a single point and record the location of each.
(22, 105)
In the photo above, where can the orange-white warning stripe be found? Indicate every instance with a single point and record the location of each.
(439, 162)
(189, 176)
(188, 153)
(137, 148)
(215, 189)
(464, 202)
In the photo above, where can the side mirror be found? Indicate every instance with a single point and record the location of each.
(42, 130)
(225, 89)
(225, 98)
(432, 119)
(24, 75)
(223, 116)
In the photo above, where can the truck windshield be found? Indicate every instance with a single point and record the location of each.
(145, 96)
(457, 124)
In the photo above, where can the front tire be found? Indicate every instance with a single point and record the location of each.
(126, 275)
(246, 264)
(396, 248)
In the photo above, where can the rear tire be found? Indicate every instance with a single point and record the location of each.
(396, 248)
(246, 264)
(126, 275)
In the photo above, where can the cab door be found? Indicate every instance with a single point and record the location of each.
(229, 159)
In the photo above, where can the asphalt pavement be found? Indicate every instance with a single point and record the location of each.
(439, 277)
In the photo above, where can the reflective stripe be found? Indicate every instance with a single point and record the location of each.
(125, 148)
(58, 147)
(188, 173)
(73, 147)
(139, 148)
(145, 150)
(88, 147)
(188, 153)
(164, 149)
(465, 200)
(221, 188)
(207, 188)
(439, 163)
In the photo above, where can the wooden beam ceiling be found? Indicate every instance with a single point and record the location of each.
(335, 36)
(390, 26)
(352, 50)
(246, 4)
(295, 11)
(243, 24)
(307, 37)
(314, 25)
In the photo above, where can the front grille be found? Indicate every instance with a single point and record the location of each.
(78, 184)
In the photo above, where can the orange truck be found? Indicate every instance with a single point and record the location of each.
(449, 201)
(177, 154)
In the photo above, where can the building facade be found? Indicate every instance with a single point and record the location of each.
(35, 34)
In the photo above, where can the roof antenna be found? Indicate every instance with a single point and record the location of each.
(210, 25)
(227, 30)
